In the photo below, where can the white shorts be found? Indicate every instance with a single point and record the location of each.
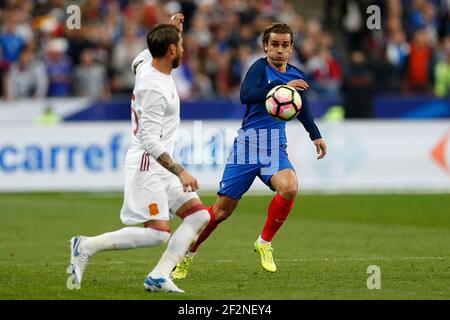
(150, 197)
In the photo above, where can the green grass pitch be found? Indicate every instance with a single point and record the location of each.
(322, 251)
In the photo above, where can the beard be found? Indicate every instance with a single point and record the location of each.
(176, 61)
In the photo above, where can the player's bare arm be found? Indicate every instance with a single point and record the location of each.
(187, 180)
(321, 148)
(166, 161)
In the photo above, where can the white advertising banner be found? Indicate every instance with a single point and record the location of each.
(370, 156)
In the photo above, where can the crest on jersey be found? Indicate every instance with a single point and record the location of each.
(153, 209)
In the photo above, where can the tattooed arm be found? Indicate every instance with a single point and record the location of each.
(166, 161)
(187, 180)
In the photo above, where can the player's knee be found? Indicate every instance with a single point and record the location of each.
(201, 218)
(289, 191)
(159, 236)
(205, 216)
(197, 214)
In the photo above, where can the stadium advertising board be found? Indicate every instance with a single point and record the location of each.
(362, 156)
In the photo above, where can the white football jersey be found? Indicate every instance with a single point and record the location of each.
(155, 117)
(144, 57)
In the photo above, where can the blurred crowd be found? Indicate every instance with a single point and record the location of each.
(40, 56)
(409, 54)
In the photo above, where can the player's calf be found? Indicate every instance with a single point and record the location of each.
(219, 212)
(195, 219)
(182, 268)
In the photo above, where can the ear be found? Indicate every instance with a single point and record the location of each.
(266, 47)
(172, 49)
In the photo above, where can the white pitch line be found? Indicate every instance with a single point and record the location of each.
(344, 259)
(368, 258)
(10, 263)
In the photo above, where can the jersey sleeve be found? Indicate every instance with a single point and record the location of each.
(152, 112)
(306, 118)
(253, 89)
(142, 57)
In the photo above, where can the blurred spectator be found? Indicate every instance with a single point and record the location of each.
(397, 52)
(223, 77)
(444, 18)
(353, 23)
(423, 15)
(326, 74)
(90, 77)
(21, 17)
(183, 80)
(201, 85)
(26, 78)
(329, 13)
(431, 22)
(358, 88)
(442, 71)
(3, 70)
(123, 54)
(200, 29)
(11, 42)
(420, 63)
(59, 68)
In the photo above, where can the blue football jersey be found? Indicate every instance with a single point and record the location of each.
(260, 131)
(259, 80)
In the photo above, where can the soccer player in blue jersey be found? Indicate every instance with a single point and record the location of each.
(260, 148)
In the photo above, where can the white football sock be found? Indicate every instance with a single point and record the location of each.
(126, 238)
(191, 254)
(182, 239)
(262, 241)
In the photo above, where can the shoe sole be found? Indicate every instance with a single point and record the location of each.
(152, 289)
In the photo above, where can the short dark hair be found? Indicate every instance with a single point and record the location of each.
(277, 28)
(161, 37)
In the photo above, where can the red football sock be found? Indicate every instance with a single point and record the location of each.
(279, 209)
(212, 225)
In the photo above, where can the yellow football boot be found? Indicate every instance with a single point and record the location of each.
(265, 252)
(182, 267)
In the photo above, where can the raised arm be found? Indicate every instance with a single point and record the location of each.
(177, 20)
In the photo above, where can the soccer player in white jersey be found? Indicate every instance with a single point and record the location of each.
(156, 187)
